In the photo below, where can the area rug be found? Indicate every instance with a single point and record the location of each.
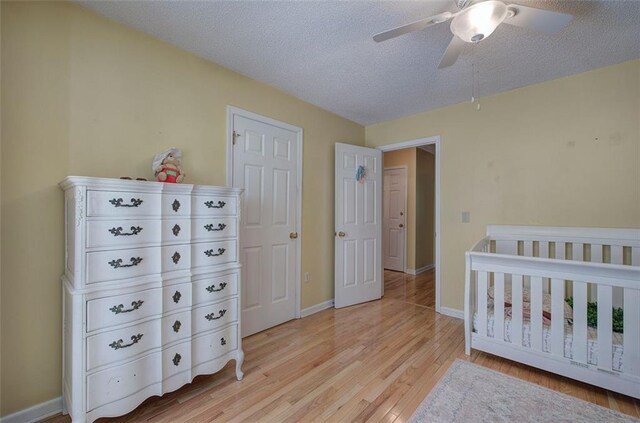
(472, 393)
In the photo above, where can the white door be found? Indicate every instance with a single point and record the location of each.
(358, 217)
(394, 218)
(265, 165)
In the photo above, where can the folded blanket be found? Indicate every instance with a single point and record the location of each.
(526, 305)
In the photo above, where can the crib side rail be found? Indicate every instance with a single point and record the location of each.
(487, 271)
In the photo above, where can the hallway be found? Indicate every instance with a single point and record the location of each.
(419, 290)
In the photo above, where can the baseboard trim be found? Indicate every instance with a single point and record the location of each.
(452, 312)
(35, 413)
(420, 269)
(316, 308)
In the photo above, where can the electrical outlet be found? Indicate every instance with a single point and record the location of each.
(307, 276)
(466, 217)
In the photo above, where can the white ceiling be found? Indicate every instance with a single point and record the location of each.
(323, 53)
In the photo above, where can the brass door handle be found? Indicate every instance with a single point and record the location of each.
(293, 235)
(341, 234)
(401, 225)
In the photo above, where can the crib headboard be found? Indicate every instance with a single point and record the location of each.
(598, 245)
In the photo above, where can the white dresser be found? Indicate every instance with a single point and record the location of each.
(150, 290)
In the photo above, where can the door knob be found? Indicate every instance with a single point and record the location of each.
(293, 235)
(401, 225)
(341, 234)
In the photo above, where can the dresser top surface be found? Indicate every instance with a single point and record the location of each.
(110, 184)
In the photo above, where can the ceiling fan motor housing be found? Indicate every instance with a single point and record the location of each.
(479, 20)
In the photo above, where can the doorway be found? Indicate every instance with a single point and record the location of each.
(422, 276)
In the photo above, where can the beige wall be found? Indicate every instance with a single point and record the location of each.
(564, 152)
(91, 97)
(407, 157)
(425, 208)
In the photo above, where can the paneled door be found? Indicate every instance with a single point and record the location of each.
(394, 218)
(358, 217)
(265, 165)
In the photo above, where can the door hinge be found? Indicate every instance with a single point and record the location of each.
(235, 137)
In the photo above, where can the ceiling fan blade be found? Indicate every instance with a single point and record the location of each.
(451, 54)
(413, 26)
(546, 21)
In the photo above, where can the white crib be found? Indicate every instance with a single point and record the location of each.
(545, 265)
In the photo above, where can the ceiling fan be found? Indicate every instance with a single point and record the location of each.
(476, 20)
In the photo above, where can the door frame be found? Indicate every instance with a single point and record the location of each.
(435, 140)
(406, 193)
(236, 111)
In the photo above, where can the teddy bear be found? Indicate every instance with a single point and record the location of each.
(167, 166)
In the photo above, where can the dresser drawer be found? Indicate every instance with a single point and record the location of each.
(119, 382)
(121, 264)
(121, 309)
(175, 360)
(176, 230)
(213, 345)
(214, 253)
(214, 228)
(215, 288)
(116, 345)
(214, 315)
(118, 203)
(175, 297)
(214, 205)
(122, 233)
(176, 205)
(176, 257)
(176, 326)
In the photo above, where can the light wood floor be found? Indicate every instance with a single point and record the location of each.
(419, 290)
(371, 362)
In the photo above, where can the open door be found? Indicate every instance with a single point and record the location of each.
(358, 217)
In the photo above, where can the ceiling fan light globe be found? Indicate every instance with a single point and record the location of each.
(479, 21)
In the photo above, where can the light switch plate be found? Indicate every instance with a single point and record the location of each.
(466, 217)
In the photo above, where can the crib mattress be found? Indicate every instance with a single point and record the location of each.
(592, 341)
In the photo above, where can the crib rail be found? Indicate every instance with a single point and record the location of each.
(537, 276)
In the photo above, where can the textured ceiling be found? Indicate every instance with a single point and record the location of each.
(323, 53)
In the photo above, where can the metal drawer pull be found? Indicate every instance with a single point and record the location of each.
(210, 253)
(118, 263)
(212, 205)
(135, 230)
(134, 306)
(176, 257)
(212, 316)
(210, 227)
(175, 205)
(176, 297)
(176, 359)
(116, 345)
(176, 229)
(135, 202)
(212, 288)
(176, 326)
(223, 341)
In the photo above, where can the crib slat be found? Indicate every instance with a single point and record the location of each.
(605, 337)
(616, 254)
(498, 313)
(536, 313)
(596, 253)
(635, 256)
(580, 322)
(482, 303)
(516, 310)
(528, 248)
(631, 354)
(560, 250)
(557, 317)
(577, 252)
